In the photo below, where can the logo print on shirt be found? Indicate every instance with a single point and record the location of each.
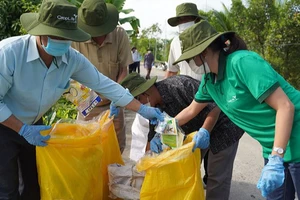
(233, 99)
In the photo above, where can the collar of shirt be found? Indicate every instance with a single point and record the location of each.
(222, 65)
(33, 53)
(107, 40)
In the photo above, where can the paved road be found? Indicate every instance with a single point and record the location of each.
(248, 162)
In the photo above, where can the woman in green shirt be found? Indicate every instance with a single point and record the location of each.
(254, 96)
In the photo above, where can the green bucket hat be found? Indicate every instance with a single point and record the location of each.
(196, 39)
(184, 10)
(56, 18)
(97, 17)
(137, 84)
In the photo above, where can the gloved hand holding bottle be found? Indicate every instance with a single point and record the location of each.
(272, 175)
(201, 139)
(151, 113)
(31, 133)
(155, 144)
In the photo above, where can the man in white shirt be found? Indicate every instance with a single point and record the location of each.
(186, 16)
(136, 57)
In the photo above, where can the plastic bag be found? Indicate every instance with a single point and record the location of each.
(82, 97)
(74, 163)
(139, 138)
(171, 133)
(125, 181)
(174, 174)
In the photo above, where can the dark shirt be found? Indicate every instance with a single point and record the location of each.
(148, 60)
(177, 93)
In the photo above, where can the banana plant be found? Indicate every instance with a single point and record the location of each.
(223, 19)
(132, 20)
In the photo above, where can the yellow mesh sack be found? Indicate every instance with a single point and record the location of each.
(73, 165)
(174, 174)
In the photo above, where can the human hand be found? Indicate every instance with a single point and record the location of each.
(272, 175)
(155, 144)
(31, 133)
(114, 110)
(151, 113)
(201, 139)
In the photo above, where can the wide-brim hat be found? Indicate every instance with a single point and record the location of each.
(137, 84)
(55, 18)
(197, 38)
(97, 17)
(184, 10)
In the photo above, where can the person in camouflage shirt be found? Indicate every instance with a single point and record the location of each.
(174, 94)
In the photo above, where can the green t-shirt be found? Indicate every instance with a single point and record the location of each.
(240, 90)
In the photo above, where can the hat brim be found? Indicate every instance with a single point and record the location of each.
(174, 21)
(191, 53)
(31, 24)
(143, 87)
(103, 29)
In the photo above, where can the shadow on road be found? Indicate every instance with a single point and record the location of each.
(244, 191)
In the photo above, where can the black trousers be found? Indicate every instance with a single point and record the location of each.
(16, 153)
(133, 67)
(138, 66)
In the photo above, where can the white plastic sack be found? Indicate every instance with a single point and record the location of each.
(140, 130)
(124, 181)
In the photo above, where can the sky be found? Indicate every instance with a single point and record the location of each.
(150, 12)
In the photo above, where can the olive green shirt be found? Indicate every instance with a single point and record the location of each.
(114, 53)
(244, 81)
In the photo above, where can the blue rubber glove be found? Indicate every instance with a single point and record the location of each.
(201, 139)
(272, 175)
(155, 144)
(31, 133)
(151, 113)
(114, 110)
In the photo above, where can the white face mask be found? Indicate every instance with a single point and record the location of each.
(199, 69)
(184, 26)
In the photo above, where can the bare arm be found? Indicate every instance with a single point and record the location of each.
(13, 123)
(189, 112)
(284, 117)
(211, 119)
(122, 74)
(169, 74)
